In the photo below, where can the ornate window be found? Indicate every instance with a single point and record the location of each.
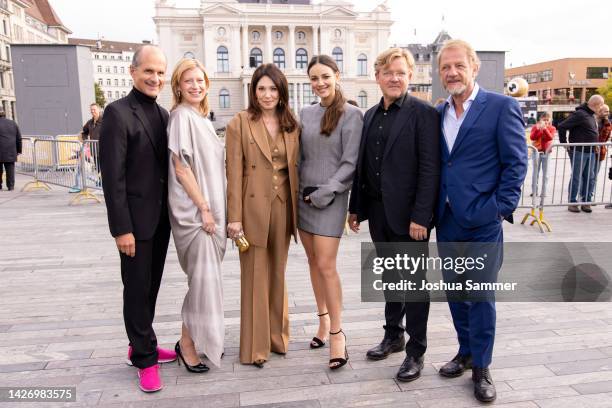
(189, 54)
(301, 35)
(362, 65)
(224, 99)
(256, 35)
(301, 58)
(362, 99)
(256, 58)
(339, 58)
(221, 31)
(222, 59)
(337, 33)
(278, 35)
(279, 58)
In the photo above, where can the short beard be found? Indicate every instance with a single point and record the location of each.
(457, 91)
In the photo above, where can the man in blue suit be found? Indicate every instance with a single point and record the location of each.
(483, 165)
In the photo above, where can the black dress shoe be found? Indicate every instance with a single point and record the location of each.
(410, 369)
(386, 347)
(456, 366)
(484, 389)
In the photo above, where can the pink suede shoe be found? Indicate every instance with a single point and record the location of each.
(149, 380)
(163, 356)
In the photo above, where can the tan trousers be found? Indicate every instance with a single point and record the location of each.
(264, 313)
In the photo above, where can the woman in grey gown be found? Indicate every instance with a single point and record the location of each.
(329, 145)
(196, 197)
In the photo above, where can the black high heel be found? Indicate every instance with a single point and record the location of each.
(341, 361)
(316, 342)
(198, 368)
(259, 363)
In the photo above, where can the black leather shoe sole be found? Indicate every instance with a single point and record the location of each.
(408, 379)
(383, 356)
(453, 374)
(483, 399)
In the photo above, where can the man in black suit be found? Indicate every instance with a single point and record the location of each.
(395, 188)
(134, 164)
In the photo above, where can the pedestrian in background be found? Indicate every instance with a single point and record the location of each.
(10, 148)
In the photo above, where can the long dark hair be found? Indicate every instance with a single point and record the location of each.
(286, 120)
(334, 111)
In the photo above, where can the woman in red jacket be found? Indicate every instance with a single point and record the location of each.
(542, 135)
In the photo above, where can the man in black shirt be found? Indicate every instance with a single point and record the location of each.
(134, 164)
(10, 148)
(395, 188)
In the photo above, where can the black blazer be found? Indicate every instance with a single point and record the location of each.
(134, 169)
(410, 172)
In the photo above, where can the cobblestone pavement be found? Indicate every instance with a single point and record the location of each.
(61, 325)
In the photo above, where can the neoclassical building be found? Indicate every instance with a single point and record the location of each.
(233, 37)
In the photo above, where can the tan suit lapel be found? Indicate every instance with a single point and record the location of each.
(290, 146)
(258, 131)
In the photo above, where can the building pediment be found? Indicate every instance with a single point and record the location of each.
(339, 11)
(220, 10)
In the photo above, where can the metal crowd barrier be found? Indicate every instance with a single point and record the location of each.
(550, 181)
(63, 161)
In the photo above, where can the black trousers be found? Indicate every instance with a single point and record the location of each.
(10, 174)
(141, 276)
(416, 313)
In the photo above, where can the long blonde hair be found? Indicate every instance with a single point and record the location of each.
(184, 65)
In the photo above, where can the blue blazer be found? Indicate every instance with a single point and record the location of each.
(483, 174)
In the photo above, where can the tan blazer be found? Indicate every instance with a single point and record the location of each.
(249, 176)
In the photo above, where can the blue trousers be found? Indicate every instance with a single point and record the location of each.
(474, 321)
(582, 183)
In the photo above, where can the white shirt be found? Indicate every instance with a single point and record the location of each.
(452, 123)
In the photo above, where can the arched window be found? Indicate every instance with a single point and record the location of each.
(362, 99)
(256, 58)
(301, 58)
(222, 59)
(339, 58)
(362, 65)
(279, 58)
(224, 99)
(189, 54)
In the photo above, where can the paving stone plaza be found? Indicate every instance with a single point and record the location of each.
(61, 325)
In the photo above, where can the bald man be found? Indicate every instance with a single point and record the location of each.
(582, 128)
(134, 165)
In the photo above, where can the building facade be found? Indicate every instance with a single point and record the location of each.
(561, 85)
(233, 37)
(111, 65)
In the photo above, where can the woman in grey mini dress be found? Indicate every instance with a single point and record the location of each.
(331, 133)
(196, 198)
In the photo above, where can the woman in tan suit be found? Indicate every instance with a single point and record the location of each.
(262, 147)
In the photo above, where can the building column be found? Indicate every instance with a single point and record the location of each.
(349, 57)
(234, 52)
(268, 43)
(245, 46)
(299, 95)
(245, 94)
(291, 59)
(315, 40)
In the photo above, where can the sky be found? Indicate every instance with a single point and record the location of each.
(529, 30)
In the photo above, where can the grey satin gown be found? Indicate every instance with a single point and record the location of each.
(192, 138)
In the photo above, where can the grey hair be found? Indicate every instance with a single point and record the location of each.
(138, 53)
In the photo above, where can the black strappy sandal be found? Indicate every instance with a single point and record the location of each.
(339, 360)
(316, 342)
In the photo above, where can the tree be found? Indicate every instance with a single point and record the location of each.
(606, 92)
(99, 94)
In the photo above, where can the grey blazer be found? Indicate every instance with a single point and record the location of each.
(327, 162)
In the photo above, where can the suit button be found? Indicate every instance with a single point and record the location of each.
(450, 164)
(252, 166)
(252, 195)
(161, 180)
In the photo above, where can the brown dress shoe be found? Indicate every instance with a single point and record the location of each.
(573, 208)
(586, 208)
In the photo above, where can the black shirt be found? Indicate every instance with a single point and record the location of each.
(376, 140)
(153, 114)
(91, 130)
